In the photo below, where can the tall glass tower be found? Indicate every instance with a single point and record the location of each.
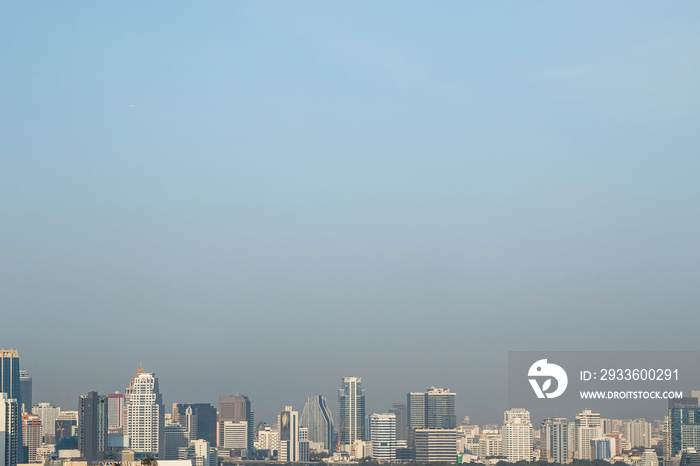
(10, 385)
(352, 410)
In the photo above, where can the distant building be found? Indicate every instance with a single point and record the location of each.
(10, 442)
(115, 412)
(175, 438)
(25, 389)
(92, 442)
(637, 432)
(199, 418)
(268, 439)
(602, 448)
(236, 409)
(432, 409)
(234, 435)
(649, 458)
(146, 417)
(383, 435)
(48, 415)
(351, 398)
(10, 384)
(587, 426)
(288, 422)
(517, 435)
(401, 413)
(31, 438)
(435, 445)
(556, 438)
(317, 418)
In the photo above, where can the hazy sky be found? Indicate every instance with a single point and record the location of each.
(263, 197)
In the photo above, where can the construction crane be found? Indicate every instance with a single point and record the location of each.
(59, 422)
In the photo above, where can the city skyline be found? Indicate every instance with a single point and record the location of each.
(432, 185)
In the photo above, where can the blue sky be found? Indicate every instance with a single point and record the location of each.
(268, 196)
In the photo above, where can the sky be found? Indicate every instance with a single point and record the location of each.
(263, 197)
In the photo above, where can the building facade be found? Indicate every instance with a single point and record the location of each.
(93, 425)
(31, 428)
(383, 435)
(517, 435)
(351, 398)
(288, 422)
(556, 437)
(146, 417)
(237, 409)
(10, 442)
(317, 418)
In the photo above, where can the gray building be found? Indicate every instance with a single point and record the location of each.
(92, 423)
(401, 413)
(317, 418)
(236, 409)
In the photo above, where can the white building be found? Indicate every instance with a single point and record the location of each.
(235, 435)
(490, 444)
(436, 445)
(517, 435)
(649, 458)
(146, 417)
(268, 439)
(48, 415)
(288, 422)
(587, 426)
(637, 432)
(351, 398)
(383, 435)
(9, 430)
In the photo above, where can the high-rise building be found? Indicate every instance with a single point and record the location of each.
(199, 418)
(587, 427)
(237, 409)
(115, 412)
(25, 390)
(317, 418)
(517, 435)
(49, 415)
(10, 384)
(352, 410)
(383, 435)
(683, 429)
(10, 442)
(432, 409)
(146, 417)
(436, 445)
(31, 428)
(268, 439)
(234, 435)
(127, 396)
(399, 410)
(93, 425)
(288, 422)
(175, 438)
(602, 448)
(637, 432)
(490, 444)
(649, 458)
(555, 434)
(303, 444)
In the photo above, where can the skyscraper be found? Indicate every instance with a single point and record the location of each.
(352, 410)
(317, 418)
(146, 417)
(9, 430)
(236, 409)
(399, 410)
(10, 384)
(199, 418)
(555, 436)
(383, 434)
(288, 422)
(48, 415)
(683, 426)
(25, 390)
(93, 425)
(432, 409)
(415, 408)
(587, 427)
(517, 435)
(31, 428)
(115, 412)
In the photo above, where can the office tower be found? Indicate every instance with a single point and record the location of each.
(432, 409)
(237, 409)
(10, 384)
(25, 390)
(415, 408)
(317, 418)
(268, 439)
(587, 427)
(352, 410)
(303, 444)
(234, 435)
(683, 426)
(383, 434)
(146, 417)
(555, 436)
(31, 428)
(517, 435)
(637, 432)
(10, 442)
(199, 418)
(288, 422)
(436, 445)
(48, 415)
(175, 438)
(127, 396)
(92, 422)
(115, 412)
(399, 410)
